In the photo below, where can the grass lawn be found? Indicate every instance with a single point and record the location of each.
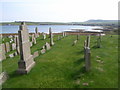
(63, 65)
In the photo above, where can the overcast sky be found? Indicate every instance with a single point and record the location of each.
(58, 10)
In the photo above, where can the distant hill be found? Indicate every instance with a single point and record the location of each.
(101, 21)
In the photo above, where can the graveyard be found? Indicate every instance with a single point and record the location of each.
(60, 61)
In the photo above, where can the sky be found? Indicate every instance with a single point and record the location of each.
(57, 10)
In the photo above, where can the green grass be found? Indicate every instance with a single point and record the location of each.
(63, 65)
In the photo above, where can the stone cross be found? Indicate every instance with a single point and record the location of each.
(26, 61)
(33, 39)
(51, 37)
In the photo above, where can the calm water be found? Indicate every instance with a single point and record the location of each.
(43, 28)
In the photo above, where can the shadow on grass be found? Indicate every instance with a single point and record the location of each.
(95, 47)
(78, 74)
(80, 52)
(78, 62)
(14, 74)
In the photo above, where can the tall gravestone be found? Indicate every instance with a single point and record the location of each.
(99, 41)
(7, 47)
(26, 61)
(51, 37)
(2, 52)
(36, 33)
(17, 45)
(87, 54)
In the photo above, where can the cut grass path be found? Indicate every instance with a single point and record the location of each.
(63, 66)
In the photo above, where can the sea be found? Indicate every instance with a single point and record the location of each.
(44, 28)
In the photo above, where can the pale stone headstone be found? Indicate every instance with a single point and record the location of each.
(51, 37)
(13, 46)
(2, 52)
(74, 42)
(47, 46)
(33, 39)
(7, 47)
(43, 51)
(36, 54)
(3, 77)
(44, 36)
(26, 61)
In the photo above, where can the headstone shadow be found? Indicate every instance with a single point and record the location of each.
(78, 74)
(79, 61)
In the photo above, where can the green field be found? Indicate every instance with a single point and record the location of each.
(63, 65)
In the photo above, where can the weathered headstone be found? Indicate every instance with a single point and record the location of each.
(17, 45)
(51, 37)
(33, 39)
(2, 52)
(7, 47)
(87, 54)
(13, 46)
(3, 77)
(36, 54)
(43, 51)
(15, 54)
(47, 46)
(36, 33)
(26, 61)
(44, 36)
(99, 41)
(74, 42)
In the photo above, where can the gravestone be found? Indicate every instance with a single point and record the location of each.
(47, 46)
(36, 33)
(2, 52)
(63, 34)
(26, 61)
(43, 51)
(36, 54)
(99, 41)
(13, 46)
(17, 45)
(87, 54)
(33, 39)
(74, 42)
(7, 47)
(3, 77)
(44, 36)
(51, 38)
